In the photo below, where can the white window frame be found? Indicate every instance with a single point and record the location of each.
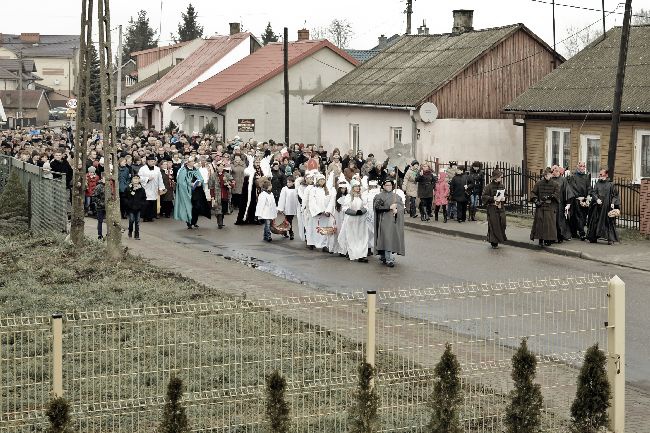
(549, 145)
(638, 137)
(583, 151)
(393, 131)
(355, 146)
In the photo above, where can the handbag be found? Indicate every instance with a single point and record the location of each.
(326, 231)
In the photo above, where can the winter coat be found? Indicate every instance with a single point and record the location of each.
(475, 182)
(169, 184)
(389, 227)
(565, 197)
(91, 183)
(237, 171)
(410, 185)
(442, 190)
(545, 195)
(426, 183)
(496, 214)
(266, 208)
(217, 190)
(124, 177)
(457, 188)
(600, 225)
(64, 167)
(278, 181)
(98, 197)
(136, 198)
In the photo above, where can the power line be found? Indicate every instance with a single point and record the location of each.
(586, 8)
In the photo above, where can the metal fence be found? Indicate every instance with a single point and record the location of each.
(116, 363)
(47, 195)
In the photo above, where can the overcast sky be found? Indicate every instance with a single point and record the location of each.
(369, 18)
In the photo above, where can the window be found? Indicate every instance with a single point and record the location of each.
(590, 153)
(396, 135)
(201, 123)
(642, 154)
(190, 123)
(558, 147)
(354, 137)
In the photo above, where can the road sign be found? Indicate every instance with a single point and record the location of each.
(72, 103)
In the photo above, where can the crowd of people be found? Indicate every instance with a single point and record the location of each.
(341, 203)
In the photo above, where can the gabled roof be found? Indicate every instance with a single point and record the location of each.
(365, 55)
(408, 72)
(31, 98)
(586, 82)
(156, 49)
(250, 72)
(128, 90)
(13, 65)
(60, 46)
(208, 54)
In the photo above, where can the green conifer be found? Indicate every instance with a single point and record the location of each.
(363, 414)
(174, 418)
(58, 414)
(524, 411)
(446, 396)
(277, 408)
(589, 409)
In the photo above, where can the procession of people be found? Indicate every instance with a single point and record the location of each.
(338, 203)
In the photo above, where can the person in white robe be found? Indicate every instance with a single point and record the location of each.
(368, 203)
(151, 179)
(288, 204)
(320, 209)
(353, 236)
(337, 212)
(307, 219)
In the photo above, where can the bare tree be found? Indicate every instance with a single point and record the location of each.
(641, 17)
(340, 32)
(578, 39)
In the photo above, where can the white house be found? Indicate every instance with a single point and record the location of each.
(468, 76)
(213, 56)
(247, 99)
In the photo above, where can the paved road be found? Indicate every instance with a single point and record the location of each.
(431, 260)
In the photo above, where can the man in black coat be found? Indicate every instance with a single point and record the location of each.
(61, 165)
(458, 190)
(545, 195)
(476, 182)
(278, 180)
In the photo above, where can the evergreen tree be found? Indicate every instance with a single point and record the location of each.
(95, 95)
(277, 408)
(189, 29)
(268, 35)
(138, 36)
(171, 128)
(589, 409)
(58, 414)
(174, 419)
(446, 395)
(524, 411)
(363, 412)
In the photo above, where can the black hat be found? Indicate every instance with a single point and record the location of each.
(151, 157)
(388, 180)
(415, 162)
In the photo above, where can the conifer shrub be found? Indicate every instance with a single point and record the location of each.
(277, 408)
(363, 414)
(446, 397)
(589, 409)
(524, 410)
(209, 129)
(174, 417)
(58, 415)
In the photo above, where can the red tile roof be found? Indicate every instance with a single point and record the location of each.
(212, 50)
(250, 72)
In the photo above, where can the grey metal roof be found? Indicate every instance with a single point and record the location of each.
(48, 45)
(586, 82)
(362, 55)
(406, 73)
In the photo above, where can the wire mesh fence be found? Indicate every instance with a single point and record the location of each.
(47, 195)
(116, 363)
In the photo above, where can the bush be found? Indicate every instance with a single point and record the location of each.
(174, 419)
(58, 414)
(524, 410)
(363, 413)
(589, 409)
(209, 129)
(277, 408)
(136, 130)
(171, 128)
(446, 395)
(14, 214)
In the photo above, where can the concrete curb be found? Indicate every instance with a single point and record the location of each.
(518, 244)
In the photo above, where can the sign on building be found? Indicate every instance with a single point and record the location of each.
(246, 125)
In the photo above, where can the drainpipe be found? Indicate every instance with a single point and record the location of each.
(414, 133)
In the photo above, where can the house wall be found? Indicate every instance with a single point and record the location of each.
(265, 103)
(62, 74)
(487, 86)
(536, 136)
(130, 100)
(168, 60)
(7, 54)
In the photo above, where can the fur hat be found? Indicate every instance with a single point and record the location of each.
(92, 169)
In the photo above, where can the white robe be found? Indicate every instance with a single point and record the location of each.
(319, 204)
(307, 219)
(152, 181)
(368, 202)
(205, 173)
(353, 236)
(288, 201)
(266, 209)
(337, 219)
(300, 221)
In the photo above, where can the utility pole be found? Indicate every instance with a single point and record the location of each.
(119, 73)
(286, 86)
(618, 94)
(554, 41)
(20, 87)
(409, 13)
(114, 230)
(82, 127)
(604, 26)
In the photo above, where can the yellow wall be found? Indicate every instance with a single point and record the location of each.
(66, 81)
(536, 142)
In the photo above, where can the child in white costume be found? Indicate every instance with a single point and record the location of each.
(368, 203)
(338, 213)
(288, 204)
(353, 236)
(320, 208)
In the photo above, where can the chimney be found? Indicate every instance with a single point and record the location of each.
(303, 35)
(423, 30)
(382, 41)
(30, 38)
(463, 21)
(235, 28)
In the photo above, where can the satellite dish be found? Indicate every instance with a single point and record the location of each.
(428, 112)
(178, 116)
(132, 112)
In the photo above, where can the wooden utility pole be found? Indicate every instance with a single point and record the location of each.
(82, 127)
(618, 94)
(409, 13)
(114, 230)
(119, 73)
(604, 26)
(554, 40)
(286, 86)
(20, 87)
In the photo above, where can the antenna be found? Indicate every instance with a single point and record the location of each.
(409, 13)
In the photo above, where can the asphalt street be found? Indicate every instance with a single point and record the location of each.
(431, 260)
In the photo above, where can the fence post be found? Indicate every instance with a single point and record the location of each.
(370, 342)
(57, 354)
(616, 355)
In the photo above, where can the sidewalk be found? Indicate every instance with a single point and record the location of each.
(630, 254)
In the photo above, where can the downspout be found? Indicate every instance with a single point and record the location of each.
(524, 162)
(414, 133)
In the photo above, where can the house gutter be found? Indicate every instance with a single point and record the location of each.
(349, 104)
(579, 115)
(414, 133)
